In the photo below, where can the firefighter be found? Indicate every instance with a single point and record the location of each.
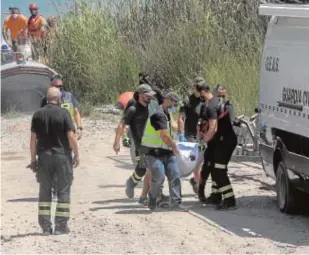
(160, 151)
(187, 121)
(221, 140)
(52, 137)
(36, 30)
(135, 116)
(16, 23)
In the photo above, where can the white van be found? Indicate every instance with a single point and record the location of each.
(283, 119)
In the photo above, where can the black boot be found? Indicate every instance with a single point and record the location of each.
(214, 198)
(194, 185)
(201, 191)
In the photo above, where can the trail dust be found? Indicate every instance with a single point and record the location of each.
(103, 220)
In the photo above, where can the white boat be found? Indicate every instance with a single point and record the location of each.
(24, 84)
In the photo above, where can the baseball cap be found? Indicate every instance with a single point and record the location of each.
(172, 96)
(145, 89)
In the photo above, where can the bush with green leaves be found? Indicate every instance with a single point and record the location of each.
(100, 48)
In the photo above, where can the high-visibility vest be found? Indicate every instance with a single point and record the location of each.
(67, 103)
(152, 137)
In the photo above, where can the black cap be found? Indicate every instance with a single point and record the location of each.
(56, 77)
(202, 86)
(172, 96)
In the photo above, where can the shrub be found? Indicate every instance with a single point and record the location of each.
(100, 48)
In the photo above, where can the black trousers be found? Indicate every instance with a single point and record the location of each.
(50, 164)
(207, 170)
(223, 151)
(140, 169)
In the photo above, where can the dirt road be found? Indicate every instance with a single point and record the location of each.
(105, 221)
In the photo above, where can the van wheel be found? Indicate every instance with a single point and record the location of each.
(285, 193)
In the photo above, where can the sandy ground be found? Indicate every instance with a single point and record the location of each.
(103, 220)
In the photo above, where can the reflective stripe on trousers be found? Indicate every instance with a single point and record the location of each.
(214, 188)
(227, 191)
(63, 210)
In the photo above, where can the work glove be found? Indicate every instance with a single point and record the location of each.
(202, 146)
(182, 138)
(126, 141)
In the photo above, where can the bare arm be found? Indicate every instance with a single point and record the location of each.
(120, 130)
(73, 143)
(4, 34)
(211, 130)
(174, 124)
(33, 147)
(167, 139)
(181, 123)
(77, 118)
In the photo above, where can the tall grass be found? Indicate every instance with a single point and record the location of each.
(101, 47)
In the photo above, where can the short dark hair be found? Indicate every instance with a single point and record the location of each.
(13, 9)
(56, 77)
(219, 86)
(202, 86)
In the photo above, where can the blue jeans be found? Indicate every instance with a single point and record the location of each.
(159, 167)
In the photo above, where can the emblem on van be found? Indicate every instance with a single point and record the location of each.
(272, 64)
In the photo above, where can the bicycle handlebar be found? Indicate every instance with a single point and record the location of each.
(253, 117)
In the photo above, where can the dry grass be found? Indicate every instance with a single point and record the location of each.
(101, 48)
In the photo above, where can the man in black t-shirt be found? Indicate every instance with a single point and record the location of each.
(187, 121)
(221, 140)
(135, 117)
(52, 137)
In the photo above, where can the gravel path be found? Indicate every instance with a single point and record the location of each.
(105, 221)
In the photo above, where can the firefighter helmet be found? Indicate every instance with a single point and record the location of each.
(33, 7)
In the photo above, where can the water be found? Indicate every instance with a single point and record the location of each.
(47, 7)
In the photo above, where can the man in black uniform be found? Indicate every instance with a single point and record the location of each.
(187, 121)
(215, 196)
(221, 140)
(136, 116)
(52, 137)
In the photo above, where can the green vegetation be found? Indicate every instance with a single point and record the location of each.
(100, 49)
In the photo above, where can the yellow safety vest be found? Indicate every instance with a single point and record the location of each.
(67, 103)
(152, 137)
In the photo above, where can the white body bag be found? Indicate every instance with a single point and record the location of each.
(189, 157)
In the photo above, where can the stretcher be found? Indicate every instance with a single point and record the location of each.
(190, 156)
